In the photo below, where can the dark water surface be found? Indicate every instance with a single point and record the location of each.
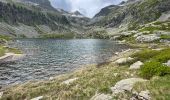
(46, 58)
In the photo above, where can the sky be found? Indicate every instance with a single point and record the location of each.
(87, 7)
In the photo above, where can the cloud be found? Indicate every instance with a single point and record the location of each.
(87, 7)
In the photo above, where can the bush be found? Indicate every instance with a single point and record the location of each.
(154, 68)
(163, 56)
(145, 54)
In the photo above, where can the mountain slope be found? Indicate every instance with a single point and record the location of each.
(17, 16)
(131, 13)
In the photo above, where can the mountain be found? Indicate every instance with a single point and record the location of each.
(131, 13)
(33, 18)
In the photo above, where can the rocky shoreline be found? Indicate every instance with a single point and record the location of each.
(10, 57)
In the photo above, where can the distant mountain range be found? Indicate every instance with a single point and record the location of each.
(17, 16)
(32, 18)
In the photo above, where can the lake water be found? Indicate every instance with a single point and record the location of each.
(50, 57)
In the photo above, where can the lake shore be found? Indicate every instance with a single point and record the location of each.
(89, 82)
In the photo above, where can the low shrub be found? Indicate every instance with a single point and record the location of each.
(163, 56)
(154, 68)
(145, 54)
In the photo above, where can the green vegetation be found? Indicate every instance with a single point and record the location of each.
(159, 87)
(58, 36)
(154, 68)
(97, 34)
(165, 36)
(145, 55)
(7, 38)
(153, 62)
(161, 26)
(2, 51)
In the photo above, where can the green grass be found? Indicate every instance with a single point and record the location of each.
(7, 38)
(165, 36)
(2, 51)
(159, 87)
(160, 26)
(154, 68)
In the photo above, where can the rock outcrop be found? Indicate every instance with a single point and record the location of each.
(147, 38)
(123, 60)
(125, 85)
(136, 65)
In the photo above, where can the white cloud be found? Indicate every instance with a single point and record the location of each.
(86, 7)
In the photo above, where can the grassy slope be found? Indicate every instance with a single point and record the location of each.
(4, 49)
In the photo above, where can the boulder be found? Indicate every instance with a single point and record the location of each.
(1, 94)
(144, 95)
(147, 38)
(136, 65)
(125, 85)
(168, 63)
(101, 97)
(67, 82)
(38, 98)
(123, 60)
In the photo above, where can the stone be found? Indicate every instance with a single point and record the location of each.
(168, 63)
(115, 74)
(123, 60)
(138, 34)
(136, 65)
(147, 38)
(144, 95)
(38, 98)
(51, 78)
(125, 85)
(101, 97)
(67, 82)
(159, 33)
(126, 33)
(1, 94)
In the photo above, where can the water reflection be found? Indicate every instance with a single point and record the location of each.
(46, 58)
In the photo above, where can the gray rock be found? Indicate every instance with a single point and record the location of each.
(136, 65)
(168, 63)
(125, 85)
(38, 98)
(159, 33)
(126, 33)
(1, 94)
(101, 97)
(147, 38)
(144, 95)
(123, 60)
